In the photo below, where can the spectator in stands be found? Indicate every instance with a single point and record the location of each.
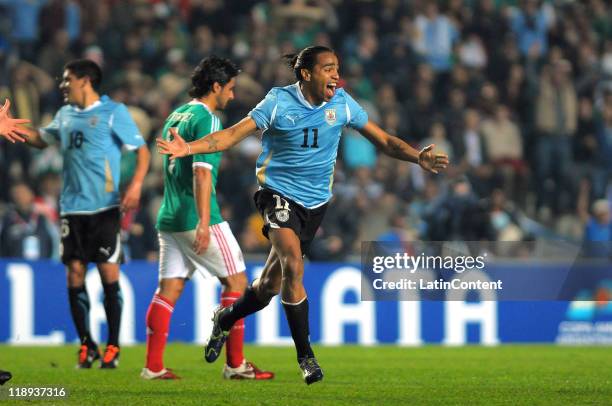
(472, 53)
(603, 131)
(505, 151)
(599, 226)
(556, 120)
(437, 136)
(46, 202)
(459, 215)
(586, 150)
(471, 151)
(503, 217)
(24, 232)
(489, 25)
(25, 17)
(517, 93)
(435, 36)
(420, 111)
(598, 231)
(531, 23)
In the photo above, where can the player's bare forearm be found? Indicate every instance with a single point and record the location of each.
(143, 158)
(33, 138)
(214, 142)
(396, 148)
(224, 139)
(211, 143)
(389, 144)
(202, 190)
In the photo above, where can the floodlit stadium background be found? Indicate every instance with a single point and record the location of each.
(518, 93)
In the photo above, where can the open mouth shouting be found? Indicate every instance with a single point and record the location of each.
(330, 90)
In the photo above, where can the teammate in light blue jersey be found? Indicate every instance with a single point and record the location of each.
(302, 125)
(91, 131)
(91, 140)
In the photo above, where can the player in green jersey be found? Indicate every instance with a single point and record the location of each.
(192, 234)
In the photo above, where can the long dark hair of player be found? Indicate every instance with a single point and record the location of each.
(210, 70)
(305, 59)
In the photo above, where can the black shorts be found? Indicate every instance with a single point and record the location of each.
(92, 237)
(279, 211)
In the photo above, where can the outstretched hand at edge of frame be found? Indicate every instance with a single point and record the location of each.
(10, 128)
(431, 162)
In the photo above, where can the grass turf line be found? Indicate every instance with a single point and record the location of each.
(353, 375)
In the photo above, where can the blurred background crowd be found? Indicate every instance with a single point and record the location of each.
(518, 93)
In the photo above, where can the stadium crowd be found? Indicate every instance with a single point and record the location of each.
(518, 93)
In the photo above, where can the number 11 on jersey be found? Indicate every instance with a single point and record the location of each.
(315, 132)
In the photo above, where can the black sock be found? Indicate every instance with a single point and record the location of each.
(79, 308)
(247, 304)
(297, 317)
(113, 303)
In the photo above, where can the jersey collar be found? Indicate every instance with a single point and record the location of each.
(196, 101)
(303, 100)
(88, 108)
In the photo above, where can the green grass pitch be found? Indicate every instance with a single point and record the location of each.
(354, 375)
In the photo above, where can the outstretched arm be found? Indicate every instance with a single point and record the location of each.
(214, 142)
(33, 138)
(396, 148)
(11, 128)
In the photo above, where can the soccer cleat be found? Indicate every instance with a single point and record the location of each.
(246, 370)
(164, 374)
(5, 376)
(217, 337)
(111, 357)
(87, 356)
(311, 371)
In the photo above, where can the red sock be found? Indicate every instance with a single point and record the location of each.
(158, 322)
(235, 340)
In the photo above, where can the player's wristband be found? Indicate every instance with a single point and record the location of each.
(188, 149)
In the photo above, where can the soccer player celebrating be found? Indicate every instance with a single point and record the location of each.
(192, 234)
(91, 129)
(301, 124)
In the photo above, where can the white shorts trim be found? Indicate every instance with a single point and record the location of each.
(222, 258)
(116, 257)
(202, 165)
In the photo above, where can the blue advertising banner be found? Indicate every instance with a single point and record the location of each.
(33, 299)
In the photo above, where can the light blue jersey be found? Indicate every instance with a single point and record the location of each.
(91, 140)
(300, 142)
